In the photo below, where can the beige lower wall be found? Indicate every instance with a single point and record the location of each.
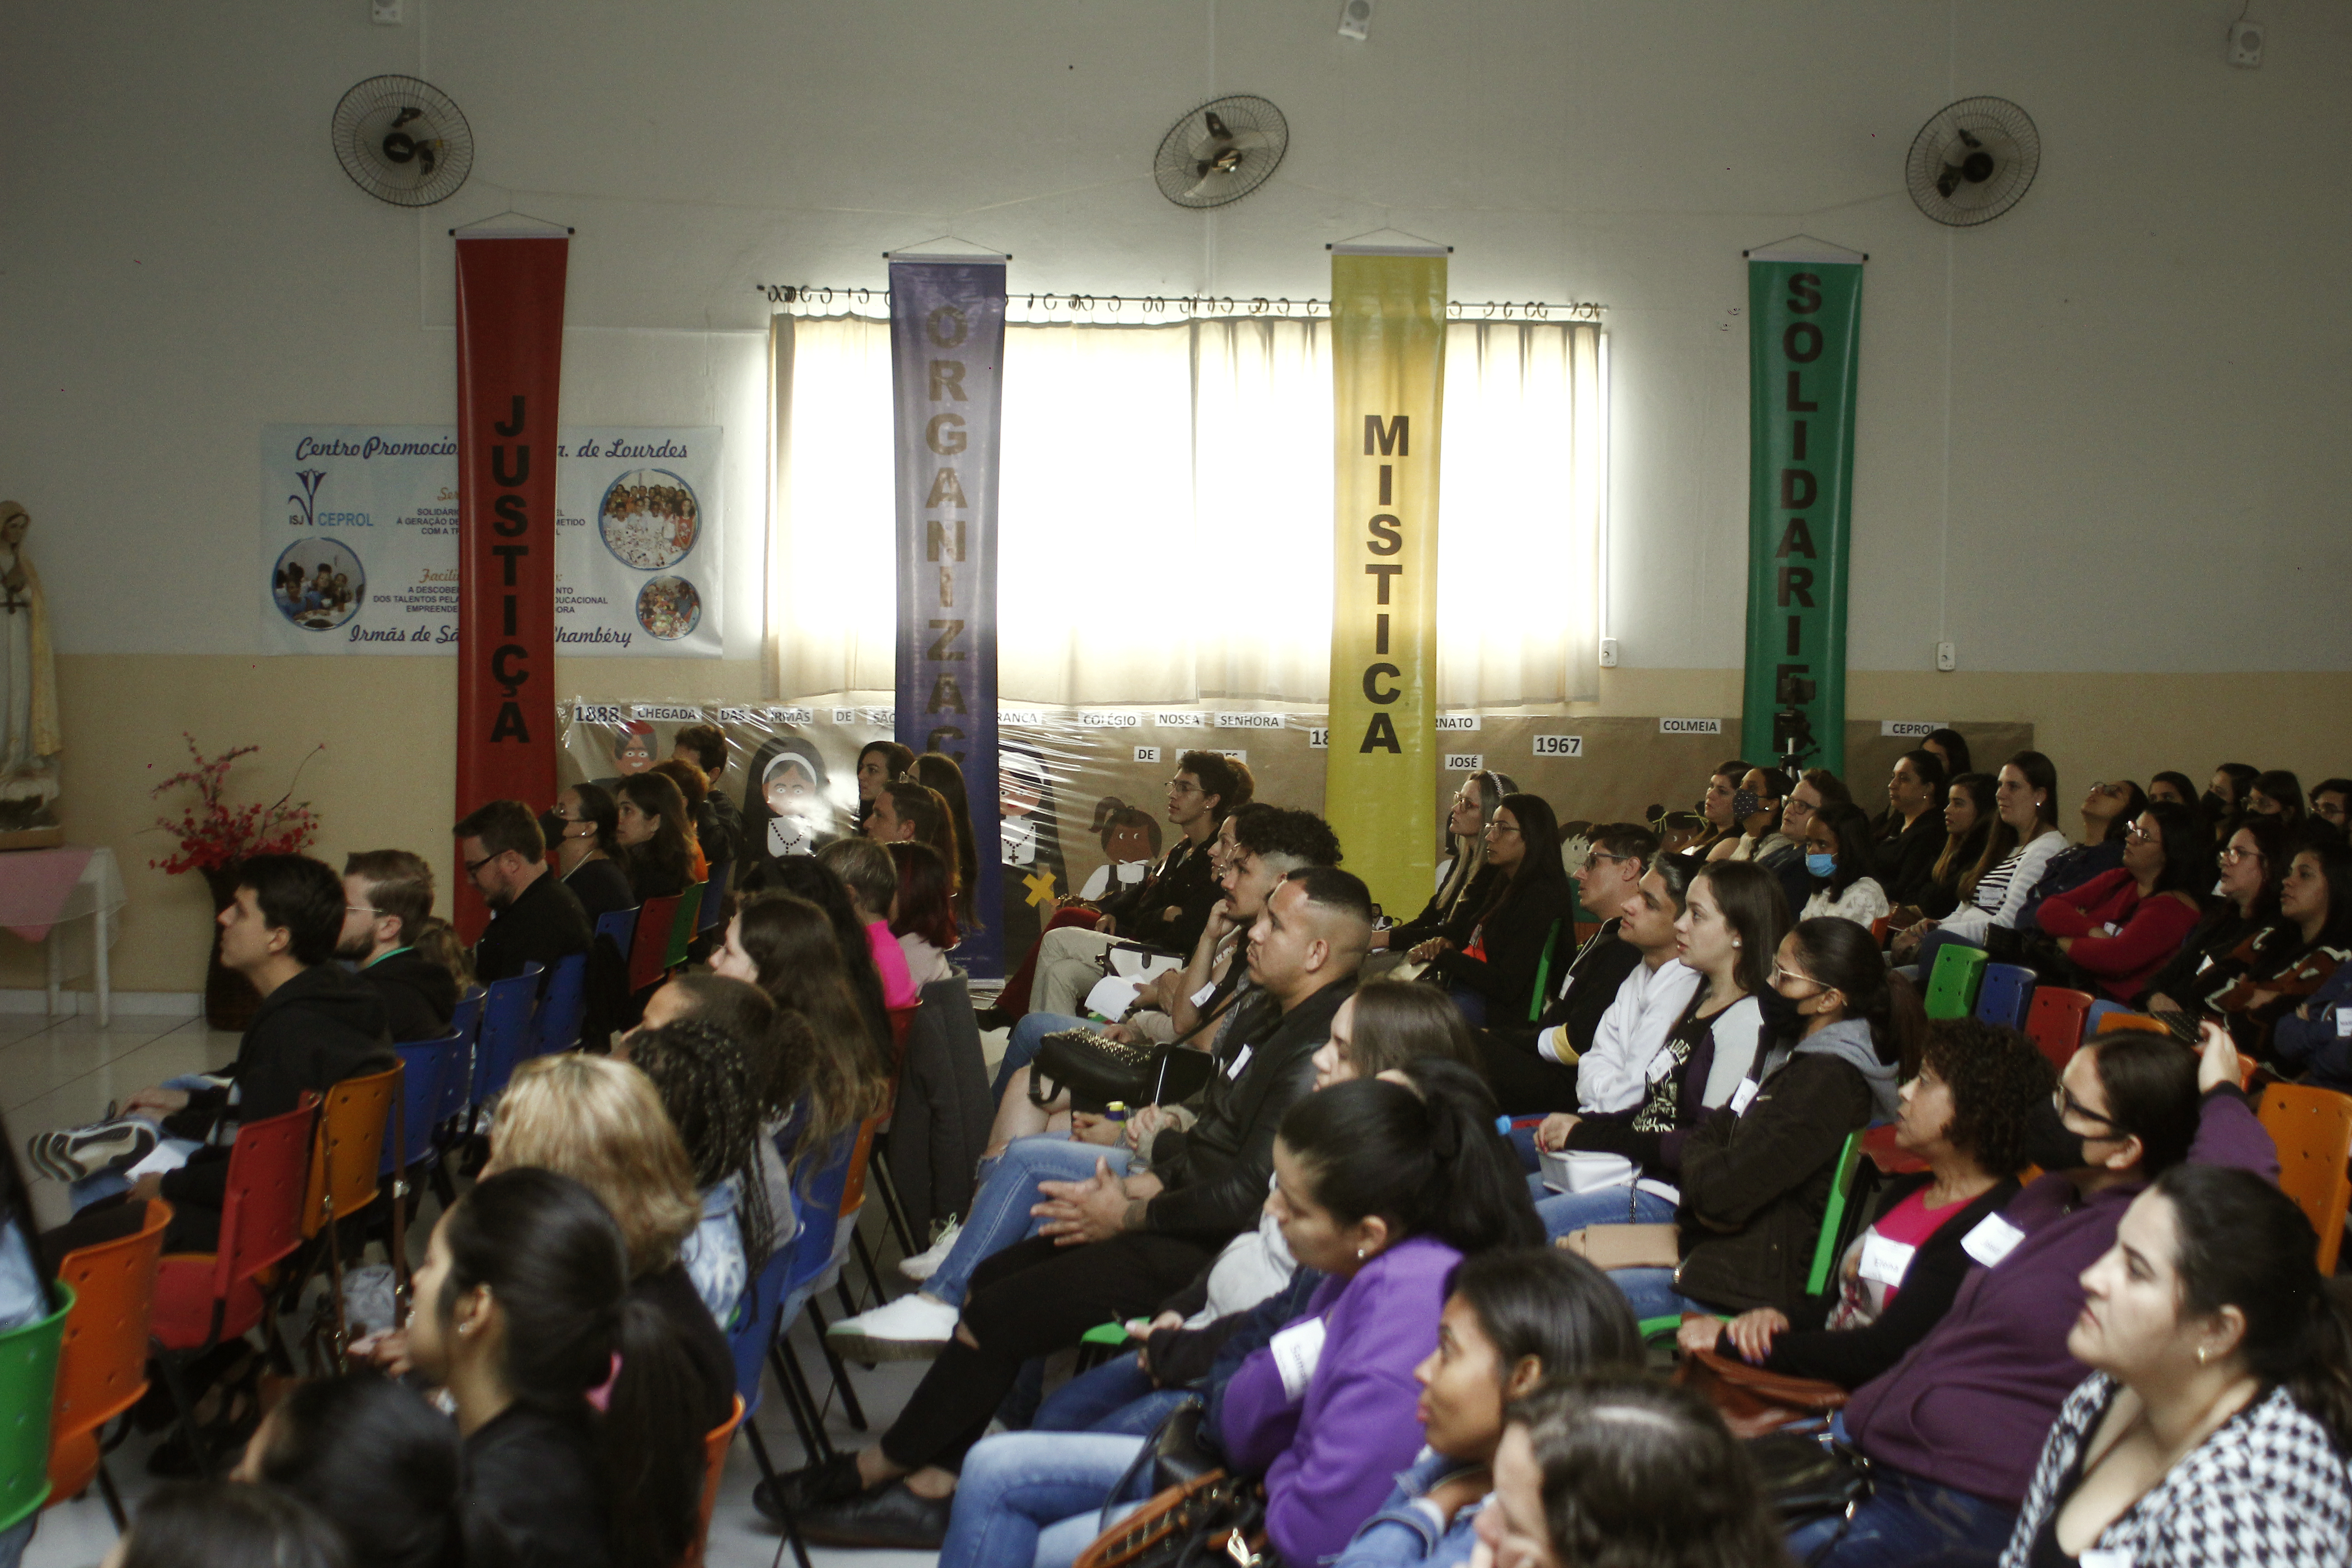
(383, 776)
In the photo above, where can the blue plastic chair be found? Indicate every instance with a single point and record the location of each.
(505, 1031)
(620, 925)
(557, 1025)
(426, 1067)
(2005, 995)
(714, 896)
(467, 1025)
(2099, 1010)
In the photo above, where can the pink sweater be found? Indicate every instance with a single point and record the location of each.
(897, 985)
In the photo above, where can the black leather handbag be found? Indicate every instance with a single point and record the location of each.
(1094, 1072)
(1810, 1475)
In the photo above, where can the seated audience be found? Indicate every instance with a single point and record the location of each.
(871, 879)
(2279, 793)
(2331, 801)
(2021, 847)
(1756, 812)
(580, 1412)
(375, 1459)
(713, 1097)
(590, 853)
(1952, 747)
(1623, 1469)
(656, 840)
(1965, 1113)
(721, 831)
(1534, 1068)
(1109, 1247)
(2215, 1421)
(1174, 899)
(907, 811)
(2122, 926)
(1493, 973)
(1970, 815)
(778, 1046)
(601, 1122)
(1613, 1072)
(387, 904)
(203, 1524)
(1911, 834)
(1755, 1176)
(1952, 1429)
(2176, 787)
(2226, 795)
(1732, 920)
(1513, 1321)
(1462, 880)
(2253, 862)
(922, 917)
(2313, 1044)
(803, 878)
(941, 775)
(534, 918)
(879, 764)
(316, 1025)
(1811, 790)
(2108, 811)
(788, 947)
(694, 790)
(1714, 809)
(2293, 957)
(1838, 860)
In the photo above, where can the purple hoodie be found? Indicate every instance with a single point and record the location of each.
(1971, 1404)
(1330, 1457)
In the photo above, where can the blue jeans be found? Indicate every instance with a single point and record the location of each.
(1034, 1499)
(1116, 1398)
(1028, 1037)
(1000, 1210)
(1564, 1212)
(1652, 1294)
(1907, 1518)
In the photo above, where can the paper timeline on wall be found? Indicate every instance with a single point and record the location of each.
(359, 540)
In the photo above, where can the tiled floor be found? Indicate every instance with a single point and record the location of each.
(64, 1072)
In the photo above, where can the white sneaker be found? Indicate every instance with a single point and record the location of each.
(912, 1328)
(926, 1263)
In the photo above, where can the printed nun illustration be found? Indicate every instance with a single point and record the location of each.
(1034, 876)
(784, 800)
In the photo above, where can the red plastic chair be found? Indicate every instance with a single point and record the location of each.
(649, 949)
(102, 1365)
(2054, 1022)
(203, 1298)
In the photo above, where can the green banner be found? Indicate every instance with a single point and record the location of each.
(1804, 310)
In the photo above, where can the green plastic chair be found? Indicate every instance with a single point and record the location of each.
(681, 929)
(1952, 988)
(28, 1380)
(1833, 1239)
(1543, 975)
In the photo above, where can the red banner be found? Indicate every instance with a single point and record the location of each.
(509, 364)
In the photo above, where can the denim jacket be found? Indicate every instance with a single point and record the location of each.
(1404, 1534)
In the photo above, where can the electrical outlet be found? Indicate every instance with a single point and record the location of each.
(1356, 19)
(1608, 653)
(1946, 656)
(2246, 44)
(384, 13)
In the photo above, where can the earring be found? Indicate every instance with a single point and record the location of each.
(468, 1328)
(1359, 1257)
(2200, 1355)
(1735, 944)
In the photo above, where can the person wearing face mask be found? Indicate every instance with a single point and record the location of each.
(1911, 834)
(1513, 1321)
(2119, 928)
(2215, 1421)
(1732, 920)
(2253, 862)
(1814, 789)
(1465, 881)
(1756, 812)
(1951, 1429)
(2225, 797)
(1837, 863)
(2021, 847)
(1965, 1113)
(2276, 792)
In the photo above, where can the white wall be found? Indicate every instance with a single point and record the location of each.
(2138, 371)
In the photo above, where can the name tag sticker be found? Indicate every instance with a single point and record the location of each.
(2344, 1023)
(1885, 1262)
(1742, 1094)
(1993, 1240)
(2105, 1557)
(1241, 1060)
(1205, 993)
(1297, 1349)
(1660, 1066)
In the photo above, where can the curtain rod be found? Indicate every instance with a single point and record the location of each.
(1185, 304)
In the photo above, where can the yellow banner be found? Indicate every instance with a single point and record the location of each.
(1388, 380)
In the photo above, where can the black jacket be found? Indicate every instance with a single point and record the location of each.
(1852, 1357)
(1513, 938)
(316, 1030)
(1594, 979)
(536, 1494)
(1905, 863)
(543, 924)
(1183, 882)
(419, 995)
(602, 888)
(1452, 921)
(669, 1293)
(1216, 1171)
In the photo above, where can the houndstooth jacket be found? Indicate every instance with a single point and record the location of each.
(2268, 1489)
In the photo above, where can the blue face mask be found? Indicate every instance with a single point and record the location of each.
(1821, 865)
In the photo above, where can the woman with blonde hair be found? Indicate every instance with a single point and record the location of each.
(601, 1122)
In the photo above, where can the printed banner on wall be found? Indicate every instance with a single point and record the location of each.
(947, 357)
(1804, 313)
(509, 370)
(359, 540)
(1388, 380)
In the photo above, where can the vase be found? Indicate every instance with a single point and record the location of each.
(230, 1000)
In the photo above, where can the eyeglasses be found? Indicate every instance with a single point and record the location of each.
(1782, 972)
(2234, 855)
(361, 910)
(1496, 830)
(2137, 834)
(1592, 861)
(1180, 786)
(474, 866)
(2066, 1104)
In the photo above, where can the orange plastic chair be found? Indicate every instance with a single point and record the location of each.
(2116, 1022)
(2054, 1022)
(347, 1151)
(2313, 1130)
(102, 1365)
(714, 1461)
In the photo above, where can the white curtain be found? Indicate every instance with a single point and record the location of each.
(1165, 512)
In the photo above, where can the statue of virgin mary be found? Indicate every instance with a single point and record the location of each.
(29, 742)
